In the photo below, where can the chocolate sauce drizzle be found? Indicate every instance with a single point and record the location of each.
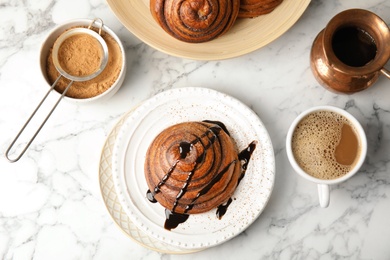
(174, 219)
(150, 195)
(218, 123)
(221, 210)
(245, 156)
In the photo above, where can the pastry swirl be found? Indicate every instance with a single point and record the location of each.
(192, 167)
(254, 8)
(195, 20)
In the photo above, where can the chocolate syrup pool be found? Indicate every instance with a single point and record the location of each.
(174, 219)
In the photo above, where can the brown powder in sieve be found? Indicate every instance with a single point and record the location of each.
(95, 86)
(80, 55)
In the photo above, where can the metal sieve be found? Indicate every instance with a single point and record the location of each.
(65, 74)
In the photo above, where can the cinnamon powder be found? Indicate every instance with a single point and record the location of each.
(95, 86)
(80, 55)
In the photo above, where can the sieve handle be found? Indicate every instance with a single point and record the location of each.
(31, 117)
(101, 25)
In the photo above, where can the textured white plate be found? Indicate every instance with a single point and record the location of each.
(192, 104)
(113, 206)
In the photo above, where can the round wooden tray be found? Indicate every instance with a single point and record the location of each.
(245, 36)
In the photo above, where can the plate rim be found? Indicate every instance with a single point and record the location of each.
(284, 26)
(122, 188)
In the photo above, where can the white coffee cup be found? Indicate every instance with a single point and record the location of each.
(323, 184)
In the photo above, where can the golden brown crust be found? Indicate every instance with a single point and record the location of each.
(195, 159)
(254, 8)
(195, 20)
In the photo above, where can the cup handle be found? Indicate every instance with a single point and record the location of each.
(323, 195)
(386, 72)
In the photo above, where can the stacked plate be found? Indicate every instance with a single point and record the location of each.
(124, 187)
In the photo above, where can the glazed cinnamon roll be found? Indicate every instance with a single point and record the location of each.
(192, 167)
(195, 20)
(254, 8)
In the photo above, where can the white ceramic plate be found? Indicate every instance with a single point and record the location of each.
(246, 35)
(192, 104)
(113, 205)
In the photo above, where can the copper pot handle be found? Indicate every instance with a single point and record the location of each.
(386, 72)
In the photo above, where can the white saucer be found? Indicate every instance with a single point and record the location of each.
(192, 104)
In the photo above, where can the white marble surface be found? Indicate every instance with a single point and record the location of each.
(50, 202)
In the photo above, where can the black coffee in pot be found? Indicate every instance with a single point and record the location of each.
(353, 46)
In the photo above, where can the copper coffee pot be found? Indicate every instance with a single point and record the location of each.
(350, 53)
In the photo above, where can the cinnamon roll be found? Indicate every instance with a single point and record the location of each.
(195, 20)
(254, 8)
(194, 167)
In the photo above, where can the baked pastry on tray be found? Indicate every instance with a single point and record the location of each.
(195, 20)
(254, 8)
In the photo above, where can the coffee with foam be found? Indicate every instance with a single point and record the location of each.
(325, 145)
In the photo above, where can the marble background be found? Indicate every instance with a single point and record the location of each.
(50, 201)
